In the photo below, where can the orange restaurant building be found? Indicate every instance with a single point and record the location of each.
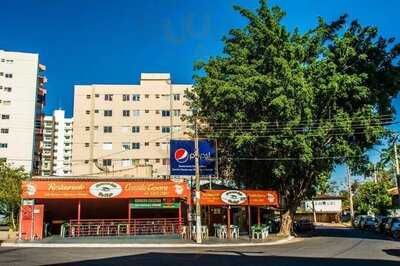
(76, 207)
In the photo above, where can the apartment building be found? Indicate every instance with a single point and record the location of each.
(57, 145)
(22, 99)
(124, 130)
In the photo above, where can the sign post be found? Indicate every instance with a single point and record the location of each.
(198, 207)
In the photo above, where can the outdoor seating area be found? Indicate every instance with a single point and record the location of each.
(259, 231)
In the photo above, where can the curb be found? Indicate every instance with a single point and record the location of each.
(94, 245)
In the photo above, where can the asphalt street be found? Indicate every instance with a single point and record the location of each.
(327, 246)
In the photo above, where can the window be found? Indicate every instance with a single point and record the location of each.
(87, 96)
(96, 111)
(96, 127)
(107, 162)
(165, 129)
(157, 144)
(125, 129)
(7, 89)
(157, 112)
(107, 146)
(177, 97)
(146, 127)
(165, 113)
(136, 97)
(125, 97)
(146, 111)
(146, 160)
(107, 129)
(86, 144)
(135, 145)
(97, 95)
(5, 116)
(135, 129)
(165, 161)
(7, 102)
(126, 162)
(4, 130)
(107, 112)
(146, 96)
(87, 128)
(135, 161)
(165, 96)
(8, 75)
(176, 112)
(157, 127)
(146, 144)
(125, 112)
(176, 128)
(87, 112)
(135, 112)
(86, 161)
(157, 160)
(157, 96)
(108, 97)
(126, 146)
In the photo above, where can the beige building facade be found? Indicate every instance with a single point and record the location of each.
(22, 99)
(124, 130)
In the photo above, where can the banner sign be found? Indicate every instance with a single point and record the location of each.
(182, 157)
(85, 189)
(150, 204)
(239, 197)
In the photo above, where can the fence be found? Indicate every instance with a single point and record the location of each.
(123, 227)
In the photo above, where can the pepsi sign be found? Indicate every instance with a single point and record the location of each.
(182, 157)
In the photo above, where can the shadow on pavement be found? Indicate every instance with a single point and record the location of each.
(392, 252)
(221, 260)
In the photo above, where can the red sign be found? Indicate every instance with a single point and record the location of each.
(240, 197)
(85, 189)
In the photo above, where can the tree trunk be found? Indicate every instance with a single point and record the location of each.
(14, 226)
(287, 223)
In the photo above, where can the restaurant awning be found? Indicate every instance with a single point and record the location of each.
(239, 198)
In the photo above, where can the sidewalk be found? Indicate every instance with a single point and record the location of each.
(146, 242)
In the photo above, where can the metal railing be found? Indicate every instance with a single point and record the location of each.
(123, 227)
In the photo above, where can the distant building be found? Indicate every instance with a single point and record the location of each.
(394, 193)
(57, 145)
(327, 209)
(22, 99)
(124, 130)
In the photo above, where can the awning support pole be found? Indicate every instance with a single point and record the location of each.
(128, 227)
(229, 222)
(79, 216)
(258, 215)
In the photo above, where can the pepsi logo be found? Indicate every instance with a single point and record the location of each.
(181, 155)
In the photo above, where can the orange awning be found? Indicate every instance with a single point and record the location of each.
(239, 197)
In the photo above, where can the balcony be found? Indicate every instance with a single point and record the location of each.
(42, 80)
(41, 67)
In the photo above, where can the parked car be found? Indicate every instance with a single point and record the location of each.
(395, 229)
(389, 224)
(303, 225)
(357, 220)
(380, 225)
(368, 222)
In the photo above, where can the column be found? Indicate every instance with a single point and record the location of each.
(128, 226)
(79, 217)
(229, 222)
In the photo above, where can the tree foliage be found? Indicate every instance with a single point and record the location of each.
(373, 197)
(10, 191)
(286, 107)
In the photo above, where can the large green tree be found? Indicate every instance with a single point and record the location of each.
(10, 192)
(373, 197)
(286, 107)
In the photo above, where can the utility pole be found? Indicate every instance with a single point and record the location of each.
(397, 170)
(350, 192)
(197, 164)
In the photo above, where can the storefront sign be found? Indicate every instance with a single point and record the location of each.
(26, 202)
(182, 157)
(239, 197)
(86, 189)
(154, 205)
(105, 189)
(233, 197)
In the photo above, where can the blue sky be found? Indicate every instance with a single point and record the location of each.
(99, 41)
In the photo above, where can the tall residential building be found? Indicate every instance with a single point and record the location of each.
(22, 98)
(124, 130)
(57, 145)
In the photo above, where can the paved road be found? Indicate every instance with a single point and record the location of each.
(328, 246)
